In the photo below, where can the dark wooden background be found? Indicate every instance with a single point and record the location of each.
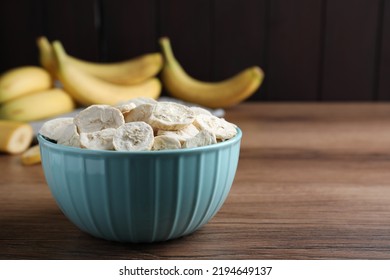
(321, 50)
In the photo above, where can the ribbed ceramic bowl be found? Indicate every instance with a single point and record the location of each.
(140, 196)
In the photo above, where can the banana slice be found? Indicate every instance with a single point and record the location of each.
(70, 136)
(125, 108)
(171, 116)
(222, 129)
(203, 138)
(141, 113)
(98, 140)
(31, 156)
(134, 136)
(53, 129)
(98, 117)
(199, 110)
(165, 142)
(182, 135)
(141, 100)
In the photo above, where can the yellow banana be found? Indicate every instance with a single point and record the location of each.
(23, 80)
(38, 105)
(46, 56)
(87, 89)
(211, 94)
(15, 137)
(128, 72)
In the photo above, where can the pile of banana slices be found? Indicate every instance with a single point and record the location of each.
(141, 124)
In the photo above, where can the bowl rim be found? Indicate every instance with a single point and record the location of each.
(45, 142)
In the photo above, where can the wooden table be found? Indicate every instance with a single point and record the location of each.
(313, 182)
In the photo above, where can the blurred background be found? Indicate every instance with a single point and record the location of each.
(314, 50)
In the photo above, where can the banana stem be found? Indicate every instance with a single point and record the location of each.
(59, 52)
(167, 49)
(46, 55)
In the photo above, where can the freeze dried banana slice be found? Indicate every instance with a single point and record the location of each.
(182, 135)
(70, 136)
(171, 116)
(222, 129)
(125, 108)
(141, 113)
(200, 111)
(98, 140)
(140, 100)
(203, 138)
(134, 136)
(165, 142)
(53, 129)
(98, 117)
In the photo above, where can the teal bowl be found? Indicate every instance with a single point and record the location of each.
(140, 196)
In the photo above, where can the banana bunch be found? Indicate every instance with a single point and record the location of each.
(102, 83)
(214, 95)
(27, 94)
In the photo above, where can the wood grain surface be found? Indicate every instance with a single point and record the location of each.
(313, 182)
